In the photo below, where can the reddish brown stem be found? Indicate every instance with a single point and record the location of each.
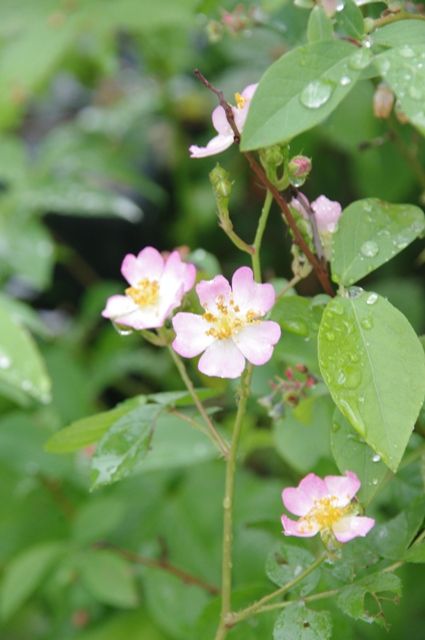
(163, 564)
(318, 266)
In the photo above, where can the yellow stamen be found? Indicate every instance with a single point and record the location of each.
(145, 293)
(325, 513)
(229, 321)
(240, 101)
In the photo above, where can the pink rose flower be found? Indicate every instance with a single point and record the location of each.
(157, 286)
(224, 139)
(325, 505)
(230, 330)
(327, 212)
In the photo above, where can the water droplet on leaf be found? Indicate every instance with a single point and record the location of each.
(345, 80)
(372, 298)
(376, 458)
(406, 51)
(5, 361)
(369, 249)
(360, 59)
(367, 323)
(316, 94)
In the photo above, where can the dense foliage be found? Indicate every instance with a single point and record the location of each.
(122, 453)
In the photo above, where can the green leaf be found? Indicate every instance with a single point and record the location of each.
(22, 373)
(108, 577)
(299, 623)
(350, 20)
(416, 553)
(132, 624)
(24, 315)
(97, 519)
(398, 33)
(351, 599)
(351, 453)
(374, 367)
(319, 26)
(180, 398)
(124, 445)
(87, 431)
(24, 574)
(392, 538)
(300, 90)
(298, 315)
(302, 440)
(369, 233)
(286, 561)
(403, 68)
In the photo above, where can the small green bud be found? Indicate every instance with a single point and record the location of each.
(299, 168)
(272, 156)
(221, 182)
(369, 24)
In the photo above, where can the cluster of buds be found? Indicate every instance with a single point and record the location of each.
(240, 20)
(289, 390)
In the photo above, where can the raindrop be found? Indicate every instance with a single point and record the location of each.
(376, 458)
(123, 331)
(298, 327)
(367, 323)
(367, 42)
(330, 336)
(360, 59)
(355, 292)
(336, 307)
(341, 378)
(345, 80)
(5, 361)
(369, 249)
(372, 298)
(353, 378)
(316, 94)
(406, 51)
(375, 481)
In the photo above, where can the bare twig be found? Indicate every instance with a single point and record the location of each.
(163, 564)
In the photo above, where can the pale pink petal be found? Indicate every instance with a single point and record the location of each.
(327, 213)
(248, 92)
(134, 316)
(250, 295)
(344, 488)
(118, 306)
(257, 341)
(222, 360)
(220, 122)
(148, 264)
(352, 527)
(215, 145)
(300, 528)
(296, 204)
(191, 334)
(210, 290)
(177, 273)
(313, 486)
(297, 501)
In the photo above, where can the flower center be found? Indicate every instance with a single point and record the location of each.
(240, 101)
(228, 321)
(145, 293)
(325, 513)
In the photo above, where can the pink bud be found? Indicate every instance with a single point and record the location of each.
(383, 100)
(299, 169)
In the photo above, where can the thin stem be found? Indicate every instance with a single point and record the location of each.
(287, 603)
(262, 222)
(193, 423)
(215, 436)
(226, 579)
(184, 576)
(295, 280)
(396, 17)
(258, 606)
(227, 227)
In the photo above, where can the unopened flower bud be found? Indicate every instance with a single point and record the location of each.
(220, 182)
(272, 156)
(383, 101)
(369, 24)
(299, 168)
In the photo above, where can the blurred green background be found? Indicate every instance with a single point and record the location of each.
(98, 105)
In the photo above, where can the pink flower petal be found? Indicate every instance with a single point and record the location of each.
(148, 264)
(313, 486)
(250, 295)
(117, 306)
(177, 273)
(223, 360)
(344, 488)
(297, 501)
(248, 92)
(257, 341)
(209, 290)
(300, 528)
(215, 145)
(242, 113)
(220, 122)
(191, 334)
(327, 213)
(352, 527)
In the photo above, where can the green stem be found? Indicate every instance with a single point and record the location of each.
(262, 222)
(288, 603)
(396, 17)
(226, 579)
(215, 436)
(295, 280)
(258, 606)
